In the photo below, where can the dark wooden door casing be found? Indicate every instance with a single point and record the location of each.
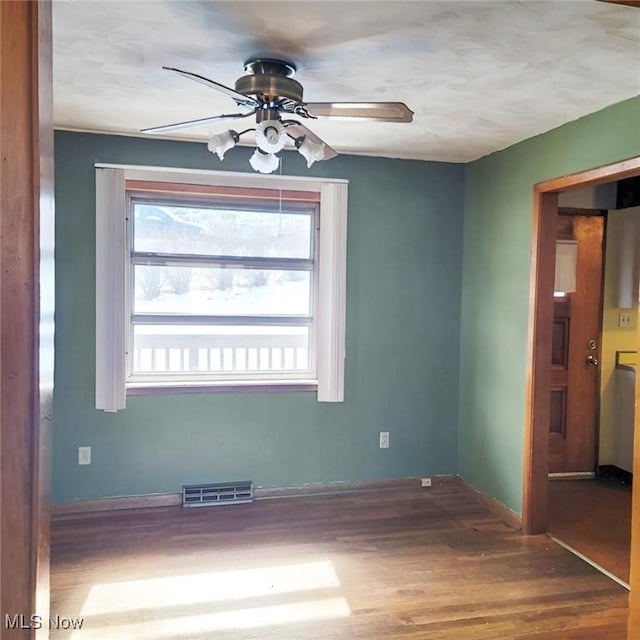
(26, 317)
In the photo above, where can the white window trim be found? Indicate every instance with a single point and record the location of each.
(332, 291)
(112, 258)
(111, 287)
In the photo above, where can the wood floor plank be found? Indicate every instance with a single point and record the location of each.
(405, 564)
(594, 517)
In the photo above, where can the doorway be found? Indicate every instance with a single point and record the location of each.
(535, 494)
(590, 502)
(589, 496)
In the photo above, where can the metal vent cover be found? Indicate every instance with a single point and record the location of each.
(217, 494)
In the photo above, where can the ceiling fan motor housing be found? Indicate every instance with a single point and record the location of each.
(270, 79)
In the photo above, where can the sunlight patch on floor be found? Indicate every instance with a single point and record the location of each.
(250, 618)
(155, 593)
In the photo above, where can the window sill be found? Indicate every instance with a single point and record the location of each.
(157, 389)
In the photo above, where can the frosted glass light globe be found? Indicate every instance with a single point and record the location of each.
(264, 162)
(270, 136)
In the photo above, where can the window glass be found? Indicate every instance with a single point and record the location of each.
(566, 265)
(220, 291)
(171, 228)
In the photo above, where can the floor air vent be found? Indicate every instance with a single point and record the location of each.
(218, 494)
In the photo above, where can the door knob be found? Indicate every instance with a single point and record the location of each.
(591, 361)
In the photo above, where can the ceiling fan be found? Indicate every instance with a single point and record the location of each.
(269, 92)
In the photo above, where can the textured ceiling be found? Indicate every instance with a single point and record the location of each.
(479, 76)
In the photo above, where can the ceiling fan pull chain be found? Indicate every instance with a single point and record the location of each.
(280, 194)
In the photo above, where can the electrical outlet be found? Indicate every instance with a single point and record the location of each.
(384, 439)
(624, 319)
(425, 482)
(84, 455)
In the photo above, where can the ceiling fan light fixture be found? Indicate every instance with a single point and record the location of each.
(270, 136)
(311, 151)
(264, 162)
(220, 143)
(269, 92)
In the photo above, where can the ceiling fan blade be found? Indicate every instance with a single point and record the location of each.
(297, 130)
(380, 111)
(177, 126)
(240, 98)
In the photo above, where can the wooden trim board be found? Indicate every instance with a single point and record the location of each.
(235, 193)
(80, 507)
(628, 168)
(538, 381)
(497, 508)
(146, 501)
(332, 488)
(627, 3)
(26, 262)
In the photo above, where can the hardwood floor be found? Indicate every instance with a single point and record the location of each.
(423, 564)
(593, 517)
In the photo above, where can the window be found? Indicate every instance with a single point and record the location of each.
(221, 289)
(211, 279)
(566, 265)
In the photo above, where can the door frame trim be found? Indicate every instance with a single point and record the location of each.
(538, 375)
(27, 317)
(545, 211)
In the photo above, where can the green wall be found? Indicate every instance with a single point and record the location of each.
(403, 311)
(495, 291)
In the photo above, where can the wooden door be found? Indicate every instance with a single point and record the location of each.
(575, 352)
